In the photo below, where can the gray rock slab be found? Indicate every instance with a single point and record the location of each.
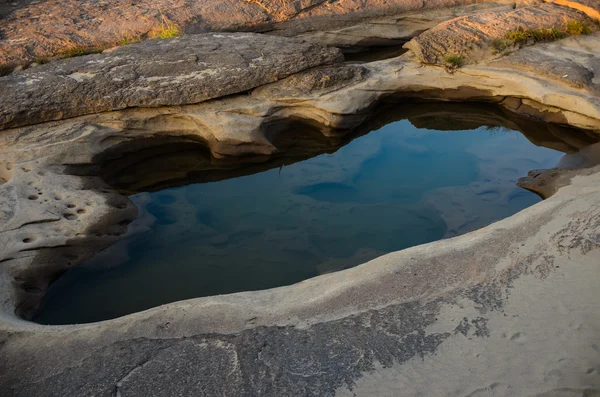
(184, 70)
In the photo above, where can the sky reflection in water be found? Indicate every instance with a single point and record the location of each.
(394, 188)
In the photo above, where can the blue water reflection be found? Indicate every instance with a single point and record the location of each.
(394, 188)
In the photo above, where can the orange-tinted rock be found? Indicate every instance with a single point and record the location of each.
(472, 37)
(45, 28)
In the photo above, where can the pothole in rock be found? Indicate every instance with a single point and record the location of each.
(207, 229)
(5, 172)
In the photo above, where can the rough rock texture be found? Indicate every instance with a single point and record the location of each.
(472, 36)
(347, 32)
(185, 70)
(463, 316)
(577, 66)
(538, 91)
(45, 28)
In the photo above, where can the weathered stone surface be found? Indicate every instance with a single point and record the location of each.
(332, 98)
(451, 317)
(386, 328)
(315, 82)
(45, 28)
(577, 64)
(185, 70)
(472, 37)
(354, 31)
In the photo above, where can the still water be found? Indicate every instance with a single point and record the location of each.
(391, 189)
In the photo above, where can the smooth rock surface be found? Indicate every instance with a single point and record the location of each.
(179, 71)
(577, 64)
(334, 99)
(467, 308)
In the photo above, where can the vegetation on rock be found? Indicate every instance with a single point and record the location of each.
(522, 36)
(454, 60)
(166, 30)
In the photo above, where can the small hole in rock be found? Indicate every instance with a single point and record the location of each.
(69, 216)
(71, 205)
(33, 197)
(31, 288)
(81, 211)
(27, 240)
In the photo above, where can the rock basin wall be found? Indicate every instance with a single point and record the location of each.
(453, 316)
(41, 233)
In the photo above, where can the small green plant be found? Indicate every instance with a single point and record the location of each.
(576, 28)
(41, 60)
(499, 45)
(523, 36)
(77, 50)
(549, 34)
(128, 38)
(517, 36)
(166, 30)
(454, 60)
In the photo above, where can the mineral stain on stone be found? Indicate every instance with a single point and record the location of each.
(394, 188)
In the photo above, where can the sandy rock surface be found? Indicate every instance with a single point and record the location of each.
(464, 316)
(472, 37)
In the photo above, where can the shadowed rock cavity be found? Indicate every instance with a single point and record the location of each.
(152, 164)
(160, 159)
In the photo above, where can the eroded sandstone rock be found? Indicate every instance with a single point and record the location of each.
(43, 29)
(472, 37)
(354, 32)
(185, 70)
(577, 65)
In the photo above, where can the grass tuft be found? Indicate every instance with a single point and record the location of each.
(523, 36)
(576, 28)
(499, 45)
(128, 38)
(41, 60)
(77, 50)
(166, 30)
(454, 61)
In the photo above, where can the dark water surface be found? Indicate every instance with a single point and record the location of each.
(391, 189)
